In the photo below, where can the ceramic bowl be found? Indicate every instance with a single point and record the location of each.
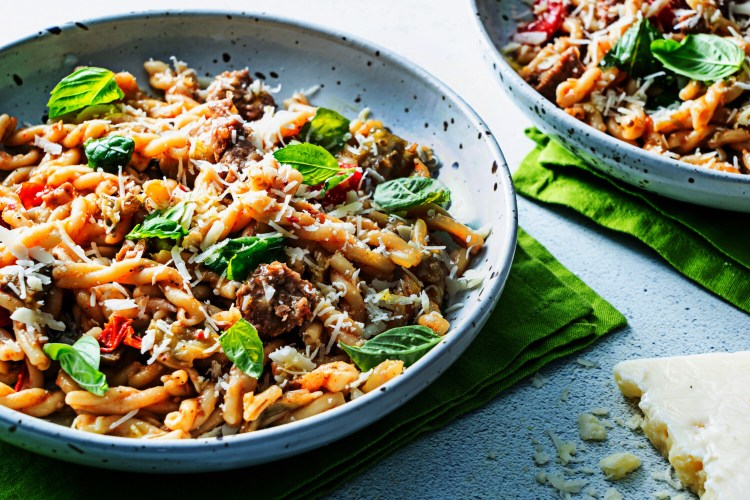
(352, 74)
(649, 171)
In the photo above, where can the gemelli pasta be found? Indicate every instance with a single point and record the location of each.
(669, 76)
(206, 263)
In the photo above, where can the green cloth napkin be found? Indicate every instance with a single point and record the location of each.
(709, 246)
(545, 313)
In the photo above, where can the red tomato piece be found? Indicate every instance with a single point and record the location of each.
(117, 330)
(30, 194)
(337, 194)
(23, 377)
(549, 22)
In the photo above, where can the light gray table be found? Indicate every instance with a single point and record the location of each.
(489, 453)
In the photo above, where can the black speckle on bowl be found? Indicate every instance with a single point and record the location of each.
(260, 75)
(454, 165)
(77, 449)
(18, 80)
(55, 30)
(426, 125)
(494, 188)
(226, 57)
(12, 428)
(691, 180)
(83, 26)
(445, 126)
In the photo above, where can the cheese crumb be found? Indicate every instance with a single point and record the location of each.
(619, 465)
(538, 381)
(564, 395)
(590, 428)
(666, 476)
(612, 494)
(565, 451)
(560, 483)
(541, 458)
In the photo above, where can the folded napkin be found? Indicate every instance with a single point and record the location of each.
(709, 246)
(544, 313)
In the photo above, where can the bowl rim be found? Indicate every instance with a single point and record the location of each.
(520, 84)
(469, 325)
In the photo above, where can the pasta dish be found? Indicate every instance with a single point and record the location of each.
(669, 76)
(205, 263)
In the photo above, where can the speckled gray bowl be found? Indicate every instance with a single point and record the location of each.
(352, 74)
(649, 171)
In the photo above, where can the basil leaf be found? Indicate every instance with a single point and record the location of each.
(407, 192)
(89, 349)
(405, 343)
(95, 112)
(81, 362)
(632, 52)
(700, 57)
(243, 347)
(327, 129)
(240, 256)
(84, 87)
(109, 152)
(334, 181)
(171, 224)
(314, 162)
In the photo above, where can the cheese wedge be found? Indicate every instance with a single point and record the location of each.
(697, 414)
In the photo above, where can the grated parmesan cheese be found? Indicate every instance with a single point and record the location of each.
(47, 145)
(120, 304)
(36, 320)
(117, 423)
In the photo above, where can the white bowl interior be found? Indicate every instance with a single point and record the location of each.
(351, 75)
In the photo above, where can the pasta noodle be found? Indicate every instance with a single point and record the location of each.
(83, 262)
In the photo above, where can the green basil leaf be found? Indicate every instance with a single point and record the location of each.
(314, 162)
(84, 87)
(407, 192)
(327, 129)
(81, 362)
(109, 152)
(243, 347)
(95, 112)
(240, 256)
(334, 181)
(632, 52)
(700, 57)
(405, 343)
(89, 349)
(171, 224)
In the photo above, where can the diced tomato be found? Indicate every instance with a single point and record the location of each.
(131, 340)
(30, 194)
(337, 194)
(549, 22)
(23, 378)
(4, 318)
(117, 330)
(292, 219)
